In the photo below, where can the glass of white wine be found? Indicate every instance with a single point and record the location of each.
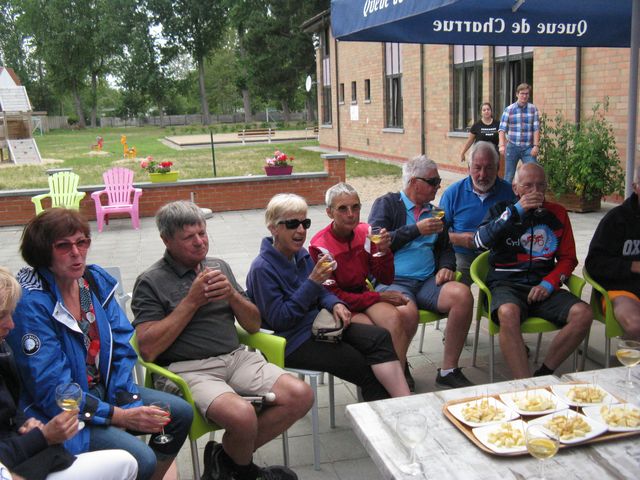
(542, 444)
(163, 437)
(69, 397)
(412, 429)
(437, 212)
(628, 353)
(328, 260)
(375, 235)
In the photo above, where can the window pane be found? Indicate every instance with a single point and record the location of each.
(354, 92)
(367, 89)
(326, 105)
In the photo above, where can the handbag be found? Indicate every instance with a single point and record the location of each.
(326, 328)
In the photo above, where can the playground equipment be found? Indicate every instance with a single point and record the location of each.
(99, 144)
(15, 126)
(128, 152)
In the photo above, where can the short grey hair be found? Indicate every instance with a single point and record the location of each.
(416, 167)
(484, 147)
(516, 177)
(281, 205)
(176, 215)
(10, 291)
(337, 190)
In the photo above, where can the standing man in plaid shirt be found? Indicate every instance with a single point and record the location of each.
(519, 132)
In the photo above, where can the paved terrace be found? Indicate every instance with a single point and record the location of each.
(235, 236)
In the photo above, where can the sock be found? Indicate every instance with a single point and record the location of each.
(445, 372)
(543, 370)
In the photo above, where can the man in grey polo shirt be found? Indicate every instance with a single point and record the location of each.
(185, 307)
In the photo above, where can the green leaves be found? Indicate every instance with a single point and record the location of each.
(581, 159)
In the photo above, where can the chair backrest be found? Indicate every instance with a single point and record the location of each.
(118, 182)
(121, 296)
(63, 188)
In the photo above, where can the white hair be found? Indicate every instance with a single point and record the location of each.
(416, 167)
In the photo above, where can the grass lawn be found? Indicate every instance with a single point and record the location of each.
(71, 148)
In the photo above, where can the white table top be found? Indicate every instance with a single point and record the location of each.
(447, 454)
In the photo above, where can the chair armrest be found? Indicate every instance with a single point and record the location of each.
(137, 193)
(576, 285)
(96, 196)
(39, 198)
(271, 346)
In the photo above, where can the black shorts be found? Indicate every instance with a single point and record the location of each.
(554, 309)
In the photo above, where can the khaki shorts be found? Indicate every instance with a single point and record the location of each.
(241, 371)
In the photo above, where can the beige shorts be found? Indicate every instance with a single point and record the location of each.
(241, 371)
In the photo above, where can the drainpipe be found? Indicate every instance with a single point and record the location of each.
(423, 137)
(335, 48)
(578, 85)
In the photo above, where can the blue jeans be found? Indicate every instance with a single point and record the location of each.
(512, 155)
(102, 438)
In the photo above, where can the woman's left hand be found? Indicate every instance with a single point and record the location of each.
(29, 425)
(340, 312)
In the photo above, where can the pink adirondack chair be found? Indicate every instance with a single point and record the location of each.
(121, 197)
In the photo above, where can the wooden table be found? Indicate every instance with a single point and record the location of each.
(448, 454)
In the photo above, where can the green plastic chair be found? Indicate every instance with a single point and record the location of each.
(611, 326)
(429, 316)
(479, 270)
(63, 192)
(271, 346)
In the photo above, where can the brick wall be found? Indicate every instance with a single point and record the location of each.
(220, 194)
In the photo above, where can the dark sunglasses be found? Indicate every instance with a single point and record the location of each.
(82, 244)
(434, 181)
(295, 223)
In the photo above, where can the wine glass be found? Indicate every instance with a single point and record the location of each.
(163, 437)
(412, 429)
(69, 397)
(437, 212)
(628, 353)
(542, 443)
(375, 235)
(328, 260)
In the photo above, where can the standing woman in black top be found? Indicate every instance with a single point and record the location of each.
(485, 129)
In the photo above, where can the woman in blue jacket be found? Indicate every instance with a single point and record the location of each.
(69, 329)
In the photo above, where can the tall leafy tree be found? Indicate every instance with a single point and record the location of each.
(279, 53)
(196, 26)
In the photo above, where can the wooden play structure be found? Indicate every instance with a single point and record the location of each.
(15, 126)
(128, 152)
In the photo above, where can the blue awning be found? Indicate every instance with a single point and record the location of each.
(560, 23)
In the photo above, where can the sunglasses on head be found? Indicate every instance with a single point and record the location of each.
(295, 223)
(433, 181)
(82, 244)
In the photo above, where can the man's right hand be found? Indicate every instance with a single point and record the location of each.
(146, 419)
(429, 226)
(394, 297)
(532, 200)
(61, 427)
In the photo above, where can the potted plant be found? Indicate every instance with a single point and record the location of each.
(581, 162)
(279, 164)
(159, 172)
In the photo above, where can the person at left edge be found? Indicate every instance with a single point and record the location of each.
(68, 329)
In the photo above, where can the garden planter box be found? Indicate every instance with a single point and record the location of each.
(574, 203)
(163, 177)
(273, 170)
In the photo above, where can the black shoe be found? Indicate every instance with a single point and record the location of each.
(455, 379)
(407, 376)
(276, 472)
(215, 466)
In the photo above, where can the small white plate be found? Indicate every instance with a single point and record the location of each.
(511, 399)
(562, 391)
(482, 434)
(597, 428)
(594, 412)
(456, 411)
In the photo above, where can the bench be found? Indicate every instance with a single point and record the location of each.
(256, 132)
(311, 129)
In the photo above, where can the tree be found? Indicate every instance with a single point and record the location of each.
(279, 54)
(198, 27)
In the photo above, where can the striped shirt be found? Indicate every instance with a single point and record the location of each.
(519, 123)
